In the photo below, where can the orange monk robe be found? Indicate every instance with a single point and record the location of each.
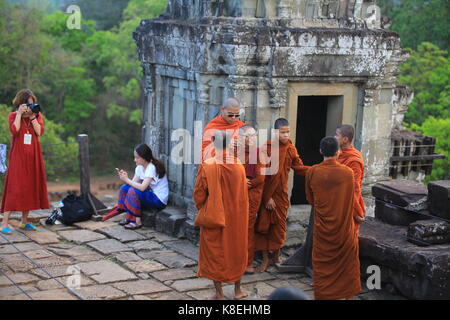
(276, 187)
(353, 159)
(329, 189)
(223, 251)
(218, 123)
(253, 173)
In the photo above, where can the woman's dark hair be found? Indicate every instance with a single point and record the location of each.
(146, 153)
(22, 97)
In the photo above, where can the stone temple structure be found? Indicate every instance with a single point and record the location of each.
(318, 63)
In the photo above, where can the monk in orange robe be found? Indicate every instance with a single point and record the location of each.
(329, 189)
(353, 159)
(226, 120)
(223, 250)
(271, 221)
(255, 183)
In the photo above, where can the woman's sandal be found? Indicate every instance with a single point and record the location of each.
(133, 226)
(124, 222)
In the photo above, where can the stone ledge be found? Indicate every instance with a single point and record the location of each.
(416, 272)
(171, 222)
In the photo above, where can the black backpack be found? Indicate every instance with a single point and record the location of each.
(75, 209)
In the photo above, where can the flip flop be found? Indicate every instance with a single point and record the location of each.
(28, 227)
(6, 230)
(133, 226)
(124, 222)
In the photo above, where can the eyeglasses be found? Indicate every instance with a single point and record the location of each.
(232, 115)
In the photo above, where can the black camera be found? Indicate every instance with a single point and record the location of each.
(35, 108)
(55, 215)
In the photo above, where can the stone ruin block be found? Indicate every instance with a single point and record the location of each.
(394, 215)
(192, 232)
(171, 222)
(402, 193)
(431, 232)
(416, 272)
(439, 198)
(149, 217)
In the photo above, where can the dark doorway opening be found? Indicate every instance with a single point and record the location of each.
(311, 128)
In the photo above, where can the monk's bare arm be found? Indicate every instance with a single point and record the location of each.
(297, 164)
(357, 178)
(201, 189)
(308, 190)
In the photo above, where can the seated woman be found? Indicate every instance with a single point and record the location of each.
(149, 188)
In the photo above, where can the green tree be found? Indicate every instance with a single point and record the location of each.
(419, 21)
(439, 129)
(427, 72)
(106, 13)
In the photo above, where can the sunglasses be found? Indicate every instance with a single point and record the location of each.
(231, 115)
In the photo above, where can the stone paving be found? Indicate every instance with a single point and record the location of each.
(115, 263)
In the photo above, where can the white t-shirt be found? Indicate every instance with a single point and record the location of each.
(159, 186)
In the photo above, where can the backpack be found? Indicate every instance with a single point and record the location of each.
(75, 209)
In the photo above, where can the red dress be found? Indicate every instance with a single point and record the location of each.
(25, 183)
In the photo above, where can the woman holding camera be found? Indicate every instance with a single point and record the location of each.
(25, 183)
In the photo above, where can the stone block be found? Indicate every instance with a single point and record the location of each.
(439, 198)
(75, 251)
(51, 284)
(141, 287)
(15, 237)
(175, 260)
(42, 237)
(171, 222)
(144, 266)
(145, 245)
(81, 236)
(55, 294)
(192, 232)
(108, 246)
(13, 291)
(24, 247)
(184, 247)
(416, 272)
(17, 278)
(149, 217)
(100, 292)
(430, 231)
(121, 234)
(126, 257)
(400, 192)
(192, 284)
(94, 225)
(173, 274)
(105, 271)
(394, 215)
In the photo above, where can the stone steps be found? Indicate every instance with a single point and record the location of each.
(169, 220)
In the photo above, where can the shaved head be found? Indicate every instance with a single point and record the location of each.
(231, 110)
(281, 122)
(347, 131)
(232, 103)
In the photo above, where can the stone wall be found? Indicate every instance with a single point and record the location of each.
(196, 56)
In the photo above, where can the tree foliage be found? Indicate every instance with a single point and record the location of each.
(439, 129)
(88, 80)
(419, 21)
(427, 72)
